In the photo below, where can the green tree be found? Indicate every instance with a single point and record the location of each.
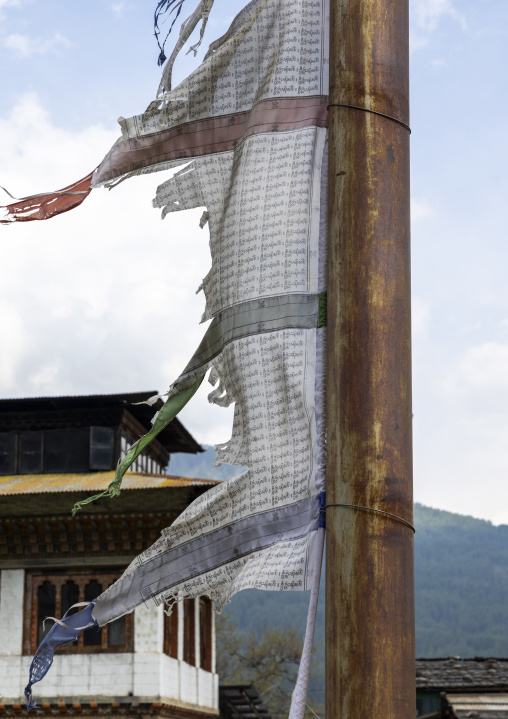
(268, 659)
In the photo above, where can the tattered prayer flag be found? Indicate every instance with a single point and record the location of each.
(47, 204)
(249, 124)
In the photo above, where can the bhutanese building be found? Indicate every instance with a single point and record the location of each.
(54, 452)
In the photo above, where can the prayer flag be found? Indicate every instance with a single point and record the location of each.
(249, 126)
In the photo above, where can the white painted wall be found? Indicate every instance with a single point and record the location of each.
(214, 649)
(208, 688)
(197, 641)
(188, 685)
(149, 677)
(148, 629)
(147, 673)
(12, 583)
(178, 607)
(170, 677)
(11, 673)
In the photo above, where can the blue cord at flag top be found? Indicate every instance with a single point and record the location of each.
(60, 633)
(162, 8)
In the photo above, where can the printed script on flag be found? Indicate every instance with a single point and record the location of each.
(249, 128)
(249, 124)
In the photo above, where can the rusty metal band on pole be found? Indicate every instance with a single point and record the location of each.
(369, 565)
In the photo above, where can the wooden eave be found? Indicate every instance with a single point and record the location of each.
(35, 413)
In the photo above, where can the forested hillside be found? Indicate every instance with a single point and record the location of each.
(461, 574)
(461, 568)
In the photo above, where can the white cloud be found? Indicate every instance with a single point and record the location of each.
(118, 8)
(100, 299)
(420, 317)
(45, 380)
(425, 16)
(20, 43)
(420, 210)
(9, 3)
(479, 381)
(14, 333)
(35, 150)
(428, 13)
(25, 46)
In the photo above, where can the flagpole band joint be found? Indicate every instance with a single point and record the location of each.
(373, 112)
(379, 511)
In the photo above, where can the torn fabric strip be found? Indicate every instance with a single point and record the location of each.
(46, 205)
(250, 127)
(65, 630)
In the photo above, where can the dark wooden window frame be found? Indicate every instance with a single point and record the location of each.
(11, 438)
(101, 443)
(35, 579)
(171, 632)
(189, 631)
(205, 633)
(87, 446)
(188, 607)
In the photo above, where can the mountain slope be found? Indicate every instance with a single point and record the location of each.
(461, 576)
(200, 465)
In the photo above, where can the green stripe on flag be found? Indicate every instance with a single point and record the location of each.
(168, 412)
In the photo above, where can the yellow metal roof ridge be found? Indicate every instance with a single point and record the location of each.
(92, 481)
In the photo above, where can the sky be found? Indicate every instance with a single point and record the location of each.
(102, 299)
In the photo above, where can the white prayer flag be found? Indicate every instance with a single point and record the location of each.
(249, 124)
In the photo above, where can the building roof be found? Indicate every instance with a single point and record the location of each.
(174, 438)
(92, 482)
(479, 706)
(241, 701)
(456, 674)
(115, 708)
(468, 688)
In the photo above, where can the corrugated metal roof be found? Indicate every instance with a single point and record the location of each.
(242, 701)
(92, 482)
(457, 675)
(479, 705)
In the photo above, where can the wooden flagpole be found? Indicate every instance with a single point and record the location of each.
(369, 565)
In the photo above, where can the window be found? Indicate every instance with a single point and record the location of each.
(205, 633)
(93, 637)
(46, 601)
(7, 453)
(171, 632)
(117, 632)
(57, 450)
(30, 452)
(144, 462)
(188, 607)
(52, 595)
(189, 632)
(70, 596)
(65, 450)
(102, 440)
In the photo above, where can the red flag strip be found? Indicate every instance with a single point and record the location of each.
(46, 205)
